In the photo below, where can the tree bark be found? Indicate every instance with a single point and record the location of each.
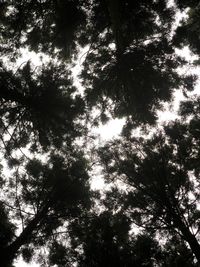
(191, 240)
(8, 254)
(186, 233)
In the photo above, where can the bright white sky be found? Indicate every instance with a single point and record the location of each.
(20, 263)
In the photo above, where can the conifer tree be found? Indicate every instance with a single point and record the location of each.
(130, 70)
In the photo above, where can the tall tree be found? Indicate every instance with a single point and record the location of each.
(106, 238)
(131, 66)
(128, 41)
(162, 177)
(50, 26)
(42, 113)
(45, 199)
(129, 70)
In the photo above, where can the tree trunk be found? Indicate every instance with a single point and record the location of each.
(178, 220)
(8, 254)
(192, 241)
(187, 235)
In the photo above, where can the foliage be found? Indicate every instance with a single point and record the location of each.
(40, 106)
(132, 74)
(162, 175)
(45, 26)
(188, 32)
(130, 70)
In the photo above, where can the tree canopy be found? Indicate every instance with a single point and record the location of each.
(149, 215)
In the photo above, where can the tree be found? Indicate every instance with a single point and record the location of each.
(162, 177)
(49, 26)
(41, 114)
(187, 34)
(131, 66)
(39, 106)
(177, 253)
(106, 241)
(127, 40)
(106, 238)
(45, 199)
(129, 71)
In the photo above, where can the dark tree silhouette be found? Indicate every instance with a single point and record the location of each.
(187, 33)
(39, 106)
(45, 199)
(106, 242)
(131, 67)
(129, 71)
(41, 112)
(106, 239)
(50, 26)
(162, 175)
(128, 41)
